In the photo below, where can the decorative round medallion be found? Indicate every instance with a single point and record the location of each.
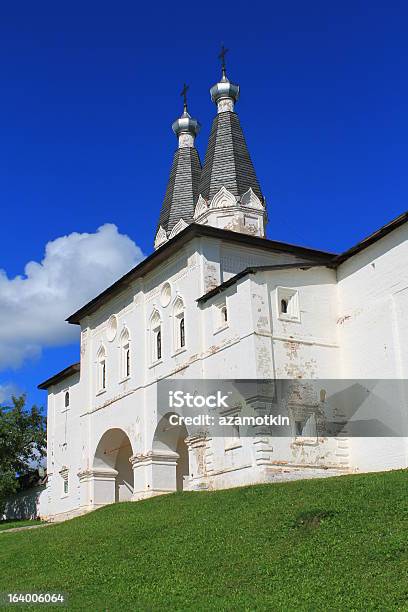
(112, 328)
(165, 295)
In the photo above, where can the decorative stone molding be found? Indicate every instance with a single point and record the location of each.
(112, 328)
(180, 225)
(161, 237)
(223, 199)
(84, 336)
(201, 207)
(197, 447)
(186, 140)
(97, 474)
(225, 104)
(152, 456)
(197, 440)
(251, 200)
(165, 294)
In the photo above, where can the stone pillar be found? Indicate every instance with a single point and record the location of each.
(141, 475)
(262, 406)
(154, 473)
(197, 445)
(98, 487)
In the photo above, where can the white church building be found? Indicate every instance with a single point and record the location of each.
(218, 300)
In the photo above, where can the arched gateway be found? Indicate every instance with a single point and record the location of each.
(171, 453)
(112, 470)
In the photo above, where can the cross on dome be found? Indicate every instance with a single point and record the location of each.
(184, 95)
(221, 56)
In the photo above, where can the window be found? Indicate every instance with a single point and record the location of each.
(101, 369)
(298, 428)
(288, 304)
(103, 374)
(304, 424)
(220, 316)
(156, 336)
(65, 481)
(125, 354)
(127, 359)
(232, 437)
(182, 333)
(158, 344)
(179, 324)
(66, 399)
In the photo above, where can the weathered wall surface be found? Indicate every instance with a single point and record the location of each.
(24, 505)
(373, 333)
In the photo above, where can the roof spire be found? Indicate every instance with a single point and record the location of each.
(224, 93)
(228, 174)
(177, 209)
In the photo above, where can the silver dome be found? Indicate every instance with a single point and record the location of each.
(224, 89)
(186, 124)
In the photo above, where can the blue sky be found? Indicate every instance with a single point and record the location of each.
(89, 92)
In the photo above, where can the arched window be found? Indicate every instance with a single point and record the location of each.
(66, 400)
(158, 344)
(284, 306)
(156, 336)
(125, 354)
(101, 369)
(182, 333)
(224, 315)
(179, 324)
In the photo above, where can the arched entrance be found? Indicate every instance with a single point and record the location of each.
(170, 456)
(112, 469)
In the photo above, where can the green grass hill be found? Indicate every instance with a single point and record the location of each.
(327, 544)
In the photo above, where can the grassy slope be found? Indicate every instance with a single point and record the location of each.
(251, 548)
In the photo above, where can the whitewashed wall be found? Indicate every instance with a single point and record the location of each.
(373, 332)
(352, 323)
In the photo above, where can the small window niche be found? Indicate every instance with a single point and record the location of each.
(65, 481)
(101, 370)
(304, 426)
(233, 438)
(125, 355)
(179, 332)
(221, 316)
(288, 304)
(66, 399)
(155, 337)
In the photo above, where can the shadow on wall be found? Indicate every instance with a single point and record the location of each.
(23, 505)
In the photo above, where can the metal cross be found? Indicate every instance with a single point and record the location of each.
(184, 94)
(221, 56)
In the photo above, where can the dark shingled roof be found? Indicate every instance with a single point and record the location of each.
(227, 161)
(301, 265)
(182, 188)
(69, 371)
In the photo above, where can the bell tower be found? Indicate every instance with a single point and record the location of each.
(229, 193)
(177, 210)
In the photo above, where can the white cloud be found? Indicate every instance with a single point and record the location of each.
(75, 268)
(7, 390)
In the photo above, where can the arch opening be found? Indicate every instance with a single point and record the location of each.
(112, 467)
(170, 448)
